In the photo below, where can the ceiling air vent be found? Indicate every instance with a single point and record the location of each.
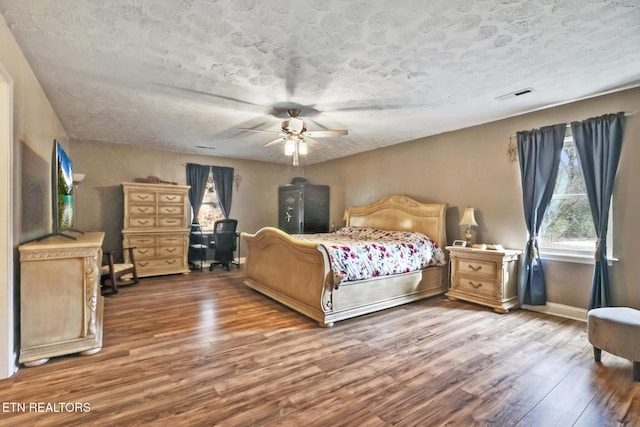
(515, 94)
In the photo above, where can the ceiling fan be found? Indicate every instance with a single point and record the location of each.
(293, 132)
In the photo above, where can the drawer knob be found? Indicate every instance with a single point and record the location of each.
(475, 285)
(475, 267)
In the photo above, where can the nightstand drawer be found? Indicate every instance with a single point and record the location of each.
(475, 285)
(471, 266)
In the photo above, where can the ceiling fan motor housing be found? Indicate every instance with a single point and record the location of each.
(294, 125)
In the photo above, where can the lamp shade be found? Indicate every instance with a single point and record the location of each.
(468, 218)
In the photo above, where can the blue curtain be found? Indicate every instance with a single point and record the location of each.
(223, 181)
(598, 142)
(539, 154)
(197, 176)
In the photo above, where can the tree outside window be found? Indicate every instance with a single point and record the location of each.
(568, 224)
(210, 211)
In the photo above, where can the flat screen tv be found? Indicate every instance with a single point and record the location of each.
(61, 193)
(63, 190)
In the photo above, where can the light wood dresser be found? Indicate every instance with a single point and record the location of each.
(156, 220)
(60, 301)
(486, 277)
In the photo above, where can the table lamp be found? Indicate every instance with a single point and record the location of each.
(468, 219)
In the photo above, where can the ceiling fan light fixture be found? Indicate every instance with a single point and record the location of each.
(302, 147)
(289, 147)
(296, 137)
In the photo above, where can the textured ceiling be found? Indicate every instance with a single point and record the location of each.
(177, 74)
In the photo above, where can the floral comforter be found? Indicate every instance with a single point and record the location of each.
(359, 253)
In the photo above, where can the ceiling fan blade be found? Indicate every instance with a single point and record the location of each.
(275, 141)
(277, 132)
(376, 105)
(249, 124)
(213, 95)
(326, 133)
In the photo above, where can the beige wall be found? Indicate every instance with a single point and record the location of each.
(100, 199)
(35, 126)
(469, 167)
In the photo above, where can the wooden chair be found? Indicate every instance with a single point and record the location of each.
(118, 273)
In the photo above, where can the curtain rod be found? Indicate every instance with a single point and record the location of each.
(631, 113)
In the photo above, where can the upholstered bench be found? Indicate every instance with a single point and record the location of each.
(616, 330)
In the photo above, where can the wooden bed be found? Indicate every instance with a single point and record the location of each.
(298, 274)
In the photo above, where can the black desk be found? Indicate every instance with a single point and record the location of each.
(207, 236)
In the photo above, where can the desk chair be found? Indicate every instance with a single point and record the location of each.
(224, 242)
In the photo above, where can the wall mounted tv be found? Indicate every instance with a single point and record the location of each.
(62, 207)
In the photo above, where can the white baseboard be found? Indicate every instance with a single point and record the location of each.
(560, 310)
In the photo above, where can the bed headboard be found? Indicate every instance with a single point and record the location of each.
(401, 213)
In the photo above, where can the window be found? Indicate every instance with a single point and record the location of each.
(567, 228)
(210, 211)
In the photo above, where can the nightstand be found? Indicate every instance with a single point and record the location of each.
(484, 277)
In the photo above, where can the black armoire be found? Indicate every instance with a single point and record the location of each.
(303, 208)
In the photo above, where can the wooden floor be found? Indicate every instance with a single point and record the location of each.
(205, 350)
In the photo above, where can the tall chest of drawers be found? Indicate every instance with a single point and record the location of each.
(486, 277)
(156, 220)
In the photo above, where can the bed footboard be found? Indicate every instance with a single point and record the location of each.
(295, 273)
